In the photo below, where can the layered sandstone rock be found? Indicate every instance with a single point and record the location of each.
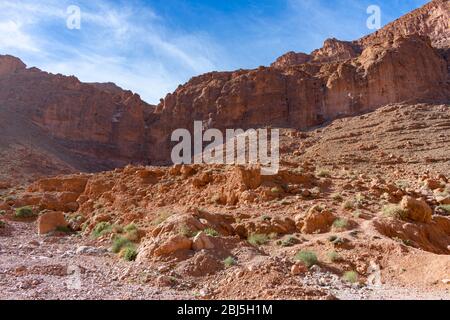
(52, 123)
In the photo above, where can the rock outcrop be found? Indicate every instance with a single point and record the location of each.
(53, 124)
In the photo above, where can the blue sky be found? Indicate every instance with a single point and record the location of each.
(152, 46)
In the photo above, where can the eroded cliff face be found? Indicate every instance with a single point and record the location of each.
(308, 94)
(103, 126)
(86, 117)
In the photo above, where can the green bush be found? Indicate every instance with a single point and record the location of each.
(333, 256)
(308, 258)
(394, 211)
(119, 243)
(258, 239)
(129, 253)
(340, 223)
(229, 262)
(289, 241)
(323, 173)
(275, 190)
(211, 232)
(337, 197)
(350, 276)
(445, 207)
(24, 212)
(348, 205)
(101, 229)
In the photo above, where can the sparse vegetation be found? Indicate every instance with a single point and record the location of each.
(211, 232)
(357, 214)
(276, 190)
(333, 256)
(2, 212)
(2, 224)
(229, 262)
(350, 276)
(288, 241)
(101, 229)
(394, 211)
(266, 218)
(402, 184)
(258, 239)
(323, 173)
(340, 223)
(129, 253)
(360, 199)
(119, 243)
(308, 258)
(161, 217)
(445, 207)
(337, 197)
(185, 231)
(24, 212)
(348, 205)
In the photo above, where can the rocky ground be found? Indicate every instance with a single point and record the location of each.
(357, 198)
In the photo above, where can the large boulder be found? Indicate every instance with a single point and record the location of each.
(50, 221)
(416, 210)
(317, 220)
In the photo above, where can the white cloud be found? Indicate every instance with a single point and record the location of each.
(13, 37)
(126, 44)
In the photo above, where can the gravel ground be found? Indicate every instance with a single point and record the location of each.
(33, 267)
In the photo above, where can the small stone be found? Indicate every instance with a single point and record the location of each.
(298, 269)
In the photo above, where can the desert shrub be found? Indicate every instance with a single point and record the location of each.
(337, 197)
(101, 229)
(402, 184)
(129, 253)
(119, 243)
(350, 276)
(211, 232)
(308, 258)
(24, 212)
(394, 211)
(445, 207)
(187, 232)
(289, 241)
(357, 214)
(275, 190)
(258, 239)
(340, 223)
(161, 217)
(229, 262)
(323, 173)
(266, 218)
(333, 256)
(2, 212)
(130, 227)
(2, 224)
(348, 205)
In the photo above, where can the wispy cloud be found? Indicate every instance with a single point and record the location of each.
(152, 46)
(126, 44)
